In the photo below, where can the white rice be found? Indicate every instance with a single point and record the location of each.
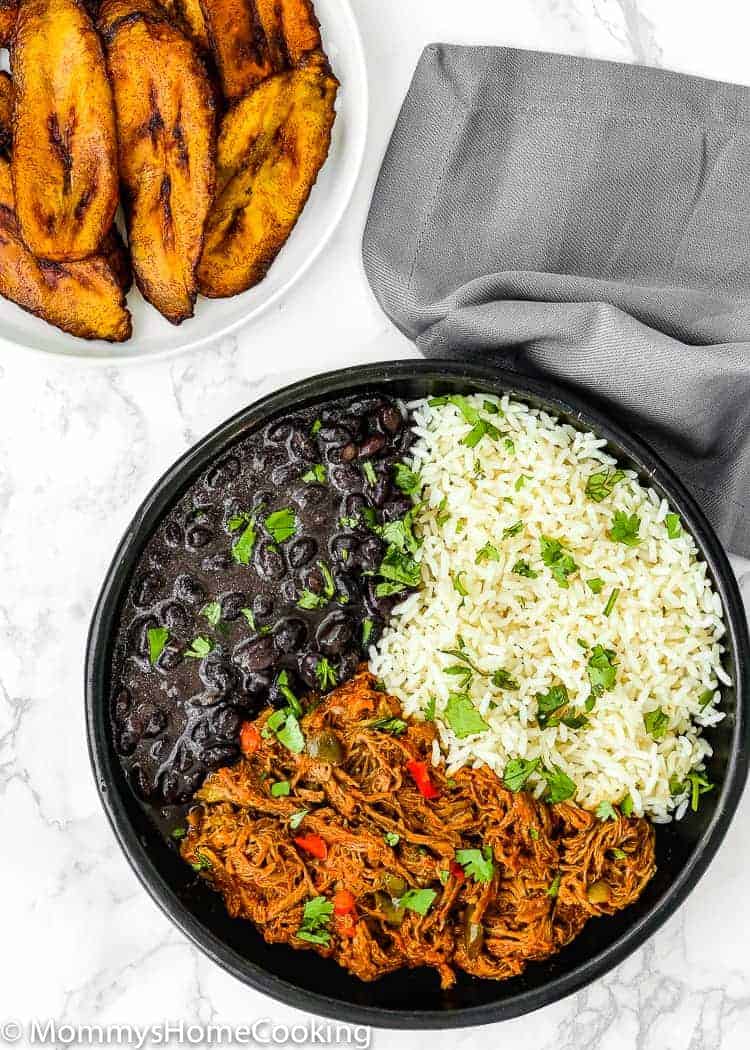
(665, 627)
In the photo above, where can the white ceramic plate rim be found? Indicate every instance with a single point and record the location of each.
(77, 351)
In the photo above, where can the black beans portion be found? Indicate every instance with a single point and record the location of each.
(295, 603)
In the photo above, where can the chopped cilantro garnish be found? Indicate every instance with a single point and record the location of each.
(601, 484)
(458, 583)
(367, 627)
(555, 699)
(199, 647)
(626, 806)
(462, 717)
(625, 528)
(487, 553)
(329, 587)
(212, 612)
(533, 833)
(706, 697)
(521, 481)
(157, 639)
(656, 723)
(400, 567)
(477, 864)
(282, 684)
(595, 585)
(309, 600)
(178, 833)
(281, 787)
(316, 427)
(555, 557)
(602, 670)
(394, 726)
(290, 734)
(492, 407)
(606, 811)
(698, 786)
(316, 473)
(242, 548)
(282, 524)
(674, 526)
(315, 921)
(297, 817)
(369, 473)
(554, 887)
(325, 674)
(392, 838)
(442, 513)
(619, 854)
(400, 534)
(503, 679)
(559, 785)
(512, 530)
(349, 523)
(419, 901)
(429, 711)
(510, 446)
(406, 479)
(611, 601)
(478, 431)
(385, 590)
(202, 863)
(522, 568)
(518, 771)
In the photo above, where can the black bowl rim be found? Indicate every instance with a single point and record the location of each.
(341, 381)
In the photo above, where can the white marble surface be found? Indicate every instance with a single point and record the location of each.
(79, 448)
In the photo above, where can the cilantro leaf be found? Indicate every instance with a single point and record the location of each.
(477, 864)
(555, 557)
(656, 723)
(626, 806)
(309, 600)
(212, 612)
(406, 479)
(367, 628)
(297, 817)
(315, 473)
(325, 674)
(290, 734)
(242, 548)
(595, 585)
(553, 700)
(369, 473)
(429, 711)
(559, 785)
(392, 838)
(385, 590)
(518, 771)
(698, 786)
(625, 528)
(601, 484)
(157, 639)
(458, 583)
(282, 524)
(502, 679)
(606, 811)
(554, 888)
(400, 568)
(487, 553)
(282, 684)
(316, 918)
(281, 787)
(674, 526)
(611, 601)
(602, 670)
(463, 717)
(512, 530)
(419, 901)
(249, 616)
(394, 726)
(522, 568)
(199, 647)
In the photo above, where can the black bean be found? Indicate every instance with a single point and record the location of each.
(334, 436)
(308, 664)
(381, 491)
(218, 674)
(175, 616)
(232, 605)
(348, 664)
(185, 759)
(288, 592)
(347, 587)
(371, 553)
(261, 499)
(397, 508)
(383, 605)
(147, 588)
(159, 749)
(173, 534)
(220, 755)
(257, 683)
(188, 589)
(301, 447)
(122, 705)
(284, 474)
(262, 605)
(217, 562)
(198, 536)
(138, 633)
(257, 654)
(302, 551)
(344, 549)
(289, 634)
(225, 722)
(278, 433)
(312, 579)
(390, 419)
(169, 658)
(171, 786)
(371, 446)
(334, 634)
(220, 474)
(364, 406)
(127, 742)
(346, 478)
(269, 561)
(353, 505)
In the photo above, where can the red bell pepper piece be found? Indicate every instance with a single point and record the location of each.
(249, 739)
(457, 871)
(343, 902)
(313, 844)
(421, 775)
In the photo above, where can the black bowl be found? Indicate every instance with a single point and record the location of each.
(412, 999)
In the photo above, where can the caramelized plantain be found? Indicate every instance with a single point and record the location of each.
(253, 39)
(83, 298)
(6, 114)
(165, 121)
(188, 16)
(8, 15)
(271, 146)
(64, 142)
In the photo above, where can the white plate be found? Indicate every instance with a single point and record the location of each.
(154, 337)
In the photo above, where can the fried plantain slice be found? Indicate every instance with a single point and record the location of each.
(271, 146)
(253, 39)
(188, 16)
(165, 121)
(82, 298)
(8, 15)
(64, 142)
(6, 114)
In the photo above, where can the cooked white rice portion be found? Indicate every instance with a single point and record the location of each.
(665, 626)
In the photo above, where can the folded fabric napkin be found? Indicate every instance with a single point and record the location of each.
(588, 221)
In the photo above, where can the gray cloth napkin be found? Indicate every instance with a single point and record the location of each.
(588, 221)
